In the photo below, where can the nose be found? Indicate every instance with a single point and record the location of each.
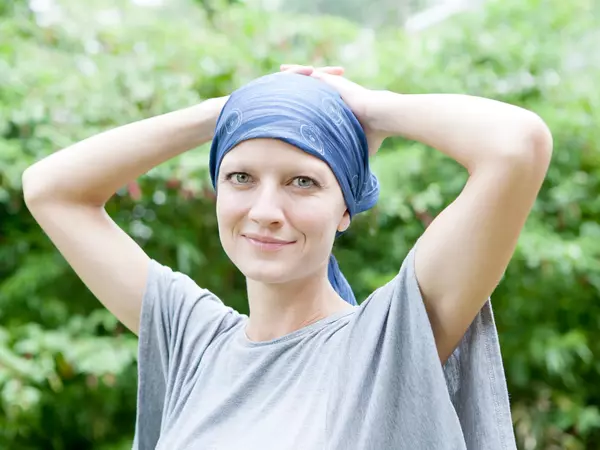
(266, 209)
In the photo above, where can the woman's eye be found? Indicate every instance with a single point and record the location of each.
(239, 177)
(304, 182)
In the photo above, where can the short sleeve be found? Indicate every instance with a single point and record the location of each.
(178, 322)
(393, 376)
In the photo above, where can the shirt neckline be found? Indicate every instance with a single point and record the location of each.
(315, 326)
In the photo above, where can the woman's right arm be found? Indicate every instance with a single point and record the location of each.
(66, 193)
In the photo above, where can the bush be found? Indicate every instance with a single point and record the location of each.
(67, 367)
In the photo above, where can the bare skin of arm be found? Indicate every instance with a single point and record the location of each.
(463, 254)
(66, 193)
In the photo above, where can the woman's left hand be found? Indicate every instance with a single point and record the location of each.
(360, 99)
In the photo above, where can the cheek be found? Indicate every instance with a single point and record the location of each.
(316, 219)
(228, 209)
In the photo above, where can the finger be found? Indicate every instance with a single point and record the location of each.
(296, 68)
(333, 70)
(326, 77)
(341, 84)
(284, 67)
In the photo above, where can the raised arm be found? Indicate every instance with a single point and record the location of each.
(66, 193)
(463, 254)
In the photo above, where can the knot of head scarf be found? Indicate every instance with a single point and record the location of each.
(308, 114)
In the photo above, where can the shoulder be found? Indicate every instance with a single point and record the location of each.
(403, 288)
(167, 285)
(393, 311)
(174, 305)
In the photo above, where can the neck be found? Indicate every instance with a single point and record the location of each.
(280, 309)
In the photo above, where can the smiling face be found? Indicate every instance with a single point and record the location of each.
(278, 210)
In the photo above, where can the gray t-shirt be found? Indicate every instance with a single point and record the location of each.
(367, 378)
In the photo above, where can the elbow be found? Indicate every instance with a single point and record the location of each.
(31, 189)
(540, 142)
(528, 150)
(42, 187)
(36, 188)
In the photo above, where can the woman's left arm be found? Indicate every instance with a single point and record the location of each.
(464, 252)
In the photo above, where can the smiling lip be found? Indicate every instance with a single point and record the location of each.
(266, 243)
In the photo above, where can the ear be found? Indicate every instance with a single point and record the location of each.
(344, 222)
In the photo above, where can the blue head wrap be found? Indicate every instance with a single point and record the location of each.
(310, 115)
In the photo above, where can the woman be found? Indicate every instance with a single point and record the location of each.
(416, 365)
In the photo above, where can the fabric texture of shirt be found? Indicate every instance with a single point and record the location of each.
(361, 379)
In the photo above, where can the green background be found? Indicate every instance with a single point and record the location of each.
(68, 368)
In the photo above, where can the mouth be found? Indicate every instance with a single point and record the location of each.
(266, 243)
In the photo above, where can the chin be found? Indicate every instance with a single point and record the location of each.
(272, 272)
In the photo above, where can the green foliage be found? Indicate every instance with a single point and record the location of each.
(67, 367)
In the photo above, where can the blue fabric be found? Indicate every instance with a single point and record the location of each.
(310, 115)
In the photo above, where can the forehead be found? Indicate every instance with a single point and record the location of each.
(272, 152)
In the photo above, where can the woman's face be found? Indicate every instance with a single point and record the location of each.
(278, 210)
